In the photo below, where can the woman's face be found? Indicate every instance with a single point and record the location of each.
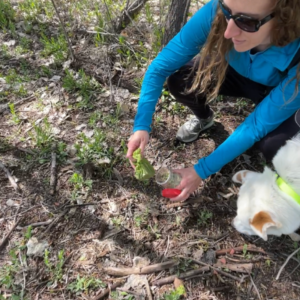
(242, 40)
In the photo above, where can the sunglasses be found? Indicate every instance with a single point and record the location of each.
(244, 22)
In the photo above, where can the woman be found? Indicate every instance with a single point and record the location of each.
(251, 49)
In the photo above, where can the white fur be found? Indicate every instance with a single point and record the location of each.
(260, 193)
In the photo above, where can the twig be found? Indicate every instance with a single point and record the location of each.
(239, 249)
(170, 279)
(107, 291)
(53, 177)
(214, 268)
(36, 224)
(64, 30)
(82, 204)
(5, 239)
(148, 290)
(143, 270)
(10, 178)
(287, 260)
(255, 287)
(54, 222)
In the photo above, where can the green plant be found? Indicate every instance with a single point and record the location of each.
(55, 270)
(56, 46)
(245, 252)
(28, 232)
(94, 149)
(174, 295)
(8, 273)
(203, 217)
(141, 219)
(15, 117)
(84, 284)
(116, 221)
(7, 14)
(121, 295)
(42, 136)
(32, 8)
(79, 183)
(83, 85)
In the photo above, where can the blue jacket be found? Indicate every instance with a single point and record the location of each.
(264, 67)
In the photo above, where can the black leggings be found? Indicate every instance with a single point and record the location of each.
(234, 85)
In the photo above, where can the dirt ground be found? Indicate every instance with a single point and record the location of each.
(94, 215)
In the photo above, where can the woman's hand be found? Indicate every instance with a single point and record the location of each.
(189, 183)
(138, 140)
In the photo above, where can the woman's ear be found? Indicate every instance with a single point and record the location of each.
(241, 176)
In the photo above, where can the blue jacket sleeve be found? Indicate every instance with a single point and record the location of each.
(266, 117)
(182, 48)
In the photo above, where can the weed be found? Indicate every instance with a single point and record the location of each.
(15, 117)
(82, 84)
(174, 295)
(33, 8)
(154, 230)
(7, 14)
(42, 136)
(94, 149)
(203, 217)
(79, 183)
(121, 295)
(28, 232)
(141, 219)
(8, 273)
(268, 263)
(56, 47)
(55, 270)
(84, 284)
(116, 221)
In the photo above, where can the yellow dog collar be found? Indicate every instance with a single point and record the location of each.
(283, 186)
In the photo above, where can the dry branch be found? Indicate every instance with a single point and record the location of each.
(107, 291)
(5, 239)
(53, 175)
(240, 249)
(64, 30)
(287, 260)
(170, 279)
(143, 270)
(10, 178)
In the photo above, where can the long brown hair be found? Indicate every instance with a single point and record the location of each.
(211, 73)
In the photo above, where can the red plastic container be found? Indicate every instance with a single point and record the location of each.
(170, 193)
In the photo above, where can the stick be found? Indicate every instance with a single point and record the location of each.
(239, 249)
(148, 290)
(36, 224)
(10, 178)
(287, 260)
(255, 287)
(5, 239)
(54, 222)
(214, 268)
(107, 291)
(240, 268)
(82, 204)
(170, 279)
(65, 32)
(143, 270)
(53, 177)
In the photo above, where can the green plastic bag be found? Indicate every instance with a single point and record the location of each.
(143, 169)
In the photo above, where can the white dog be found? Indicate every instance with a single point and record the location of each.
(269, 203)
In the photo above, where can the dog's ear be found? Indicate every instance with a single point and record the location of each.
(261, 222)
(241, 176)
